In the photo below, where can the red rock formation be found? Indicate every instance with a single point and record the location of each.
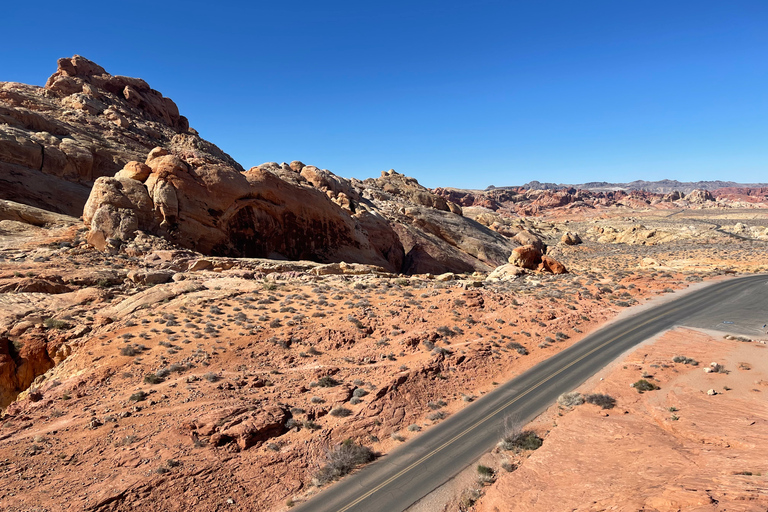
(290, 211)
(215, 209)
(21, 360)
(85, 123)
(748, 194)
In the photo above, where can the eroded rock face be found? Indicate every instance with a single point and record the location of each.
(294, 211)
(524, 201)
(215, 209)
(85, 124)
(241, 426)
(20, 362)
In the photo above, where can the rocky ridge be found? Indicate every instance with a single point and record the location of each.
(657, 187)
(522, 201)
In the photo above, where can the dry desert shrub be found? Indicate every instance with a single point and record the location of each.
(327, 382)
(516, 439)
(604, 401)
(437, 415)
(468, 498)
(485, 474)
(340, 460)
(570, 399)
(520, 349)
(643, 385)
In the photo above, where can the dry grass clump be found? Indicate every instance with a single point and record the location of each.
(570, 399)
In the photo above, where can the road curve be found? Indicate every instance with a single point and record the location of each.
(407, 474)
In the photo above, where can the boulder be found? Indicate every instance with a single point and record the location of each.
(135, 171)
(526, 256)
(242, 426)
(151, 277)
(505, 272)
(549, 264)
(570, 238)
(528, 238)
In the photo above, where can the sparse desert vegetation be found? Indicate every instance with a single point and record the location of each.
(154, 364)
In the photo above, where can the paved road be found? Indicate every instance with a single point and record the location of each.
(407, 474)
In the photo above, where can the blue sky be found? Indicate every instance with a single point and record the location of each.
(462, 94)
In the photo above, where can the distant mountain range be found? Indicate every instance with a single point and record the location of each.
(659, 187)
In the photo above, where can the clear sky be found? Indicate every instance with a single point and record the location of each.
(463, 94)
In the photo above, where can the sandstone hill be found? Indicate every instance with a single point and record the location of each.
(85, 123)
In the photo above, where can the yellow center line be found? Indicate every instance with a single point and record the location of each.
(499, 409)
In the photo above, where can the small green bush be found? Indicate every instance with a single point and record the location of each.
(520, 441)
(643, 385)
(484, 470)
(153, 378)
(51, 323)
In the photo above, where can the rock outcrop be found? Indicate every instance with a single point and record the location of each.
(699, 196)
(289, 211)
(436, 236)
(55, 141)
(240, 426)
(217, 210)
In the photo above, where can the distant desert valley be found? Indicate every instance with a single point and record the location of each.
(180, 333)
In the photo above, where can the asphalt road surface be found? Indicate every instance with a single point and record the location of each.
(407, 474)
